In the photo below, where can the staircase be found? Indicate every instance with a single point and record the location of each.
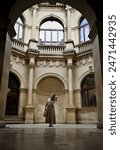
(13, 120)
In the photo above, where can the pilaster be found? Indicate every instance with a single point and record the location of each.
(68, 9)
(34, 18)
(29, 109)
(69, 54)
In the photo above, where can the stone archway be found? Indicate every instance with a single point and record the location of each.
(45, 88)
(14, 13)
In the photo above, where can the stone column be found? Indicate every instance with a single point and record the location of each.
(34, 97)
(30, 87)
(6, 31)
(34, 13)
(71, 116)
(69, 54)
(68, 9)
(96, 35)
(70, 82)
(22, 97)
(78, 98)
(32, 52)
(29, 109)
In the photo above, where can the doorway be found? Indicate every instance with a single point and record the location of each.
(13, 95)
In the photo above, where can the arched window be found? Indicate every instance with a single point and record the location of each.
(51, 33)
(84, 30)
(19, 29)
(88, 91)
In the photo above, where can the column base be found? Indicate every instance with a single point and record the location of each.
(71, 115)
(29, 114)
(100, 125)
(2, 124)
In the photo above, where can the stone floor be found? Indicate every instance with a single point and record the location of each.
(42, 137)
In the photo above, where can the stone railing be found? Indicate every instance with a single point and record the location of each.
(51, 50)
(18, 45)
(84, 47)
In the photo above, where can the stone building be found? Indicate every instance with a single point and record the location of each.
(56, 49)
(51, 53)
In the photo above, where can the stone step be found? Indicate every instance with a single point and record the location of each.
(13, 119)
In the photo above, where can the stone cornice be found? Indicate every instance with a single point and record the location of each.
(23, 90)
(69, 53)
(18, 52)
(32, 52)
(52, 5)
(86, 53)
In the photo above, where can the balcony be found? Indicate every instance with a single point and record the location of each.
(19, 45)
(84, 47)
(51, 49)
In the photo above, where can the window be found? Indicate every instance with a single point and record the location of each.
(84, 31)
(51, 33)
(88, 91)
(19, 29)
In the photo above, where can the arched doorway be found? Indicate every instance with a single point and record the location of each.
(12, 96)
(45, 88)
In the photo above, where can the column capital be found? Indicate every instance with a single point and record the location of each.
(31, 62)
(69, 54)
(32, 52)
(30, 65)
(70, 62)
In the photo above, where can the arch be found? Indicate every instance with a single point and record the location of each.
(53, 75)
(52, 17)
(51, 32)
(85, 77)
(15, 78)
(88, 91)
(18, 76)
(82, 77)
(82, 7)
(23, 19)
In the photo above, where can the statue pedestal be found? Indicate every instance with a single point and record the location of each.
(71, 115)
(29, 114)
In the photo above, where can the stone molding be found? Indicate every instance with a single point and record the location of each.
(23, 90)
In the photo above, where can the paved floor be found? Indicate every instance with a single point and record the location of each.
(42, 137)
